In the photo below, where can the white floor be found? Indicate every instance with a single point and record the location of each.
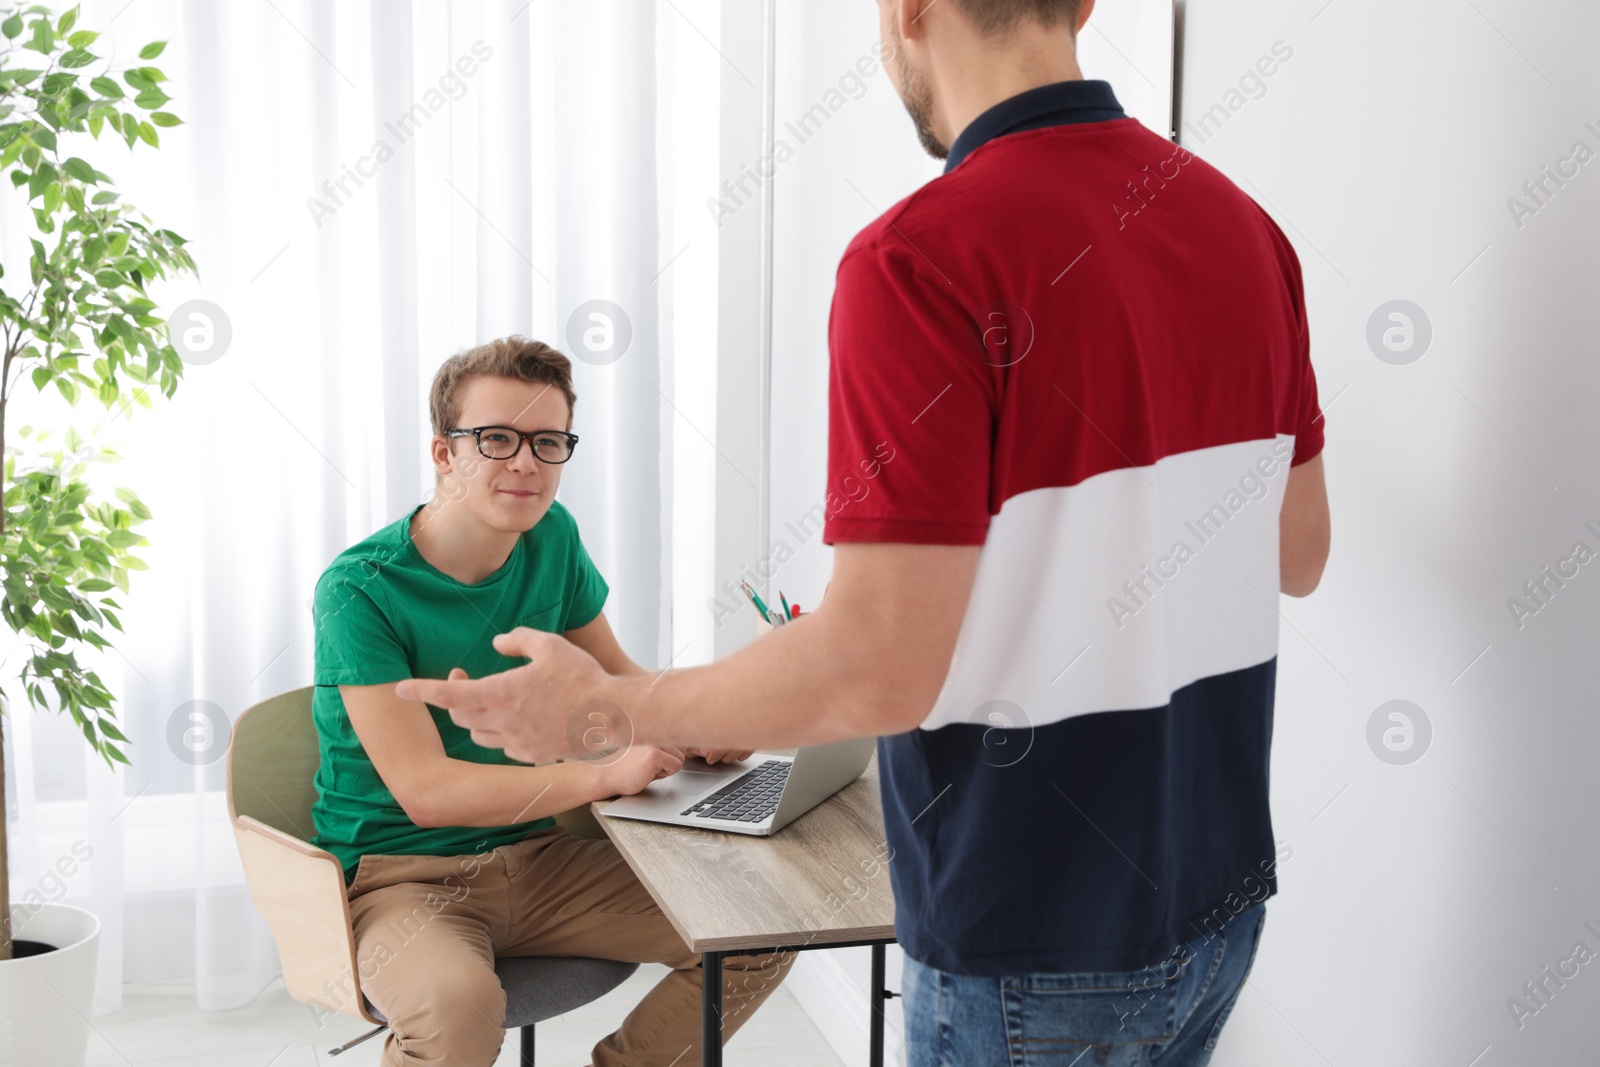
(160, 1027)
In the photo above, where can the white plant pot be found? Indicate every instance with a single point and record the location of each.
(45, 1000)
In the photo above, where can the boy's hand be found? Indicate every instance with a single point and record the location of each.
(721, 755)
(710, 755)
(639, 766)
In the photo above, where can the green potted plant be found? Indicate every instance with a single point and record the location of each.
(76, 320)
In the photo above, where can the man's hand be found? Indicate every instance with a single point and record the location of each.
(641, 765)
(529, 710)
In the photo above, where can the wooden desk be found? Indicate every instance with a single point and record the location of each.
(820, 882)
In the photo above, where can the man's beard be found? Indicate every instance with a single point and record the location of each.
(918, 99)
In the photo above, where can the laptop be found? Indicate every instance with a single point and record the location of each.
(759, 796)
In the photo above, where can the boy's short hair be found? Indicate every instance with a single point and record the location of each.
(508, 357)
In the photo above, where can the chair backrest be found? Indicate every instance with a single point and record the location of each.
(273, 763)
(298, 888)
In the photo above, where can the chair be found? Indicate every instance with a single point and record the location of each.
(300, 889)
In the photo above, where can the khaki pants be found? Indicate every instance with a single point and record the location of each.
(428, 930)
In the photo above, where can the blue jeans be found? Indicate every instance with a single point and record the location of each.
(1167, 1015)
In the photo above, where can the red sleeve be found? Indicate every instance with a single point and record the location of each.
(1305, 413)
(1308, 417)
(912, 406)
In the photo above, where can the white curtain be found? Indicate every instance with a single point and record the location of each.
(368, 187)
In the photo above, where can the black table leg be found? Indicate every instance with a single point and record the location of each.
(711, 1009)
(877, 1001)
(711, 997)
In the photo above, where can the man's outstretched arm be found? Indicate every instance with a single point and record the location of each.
(869, 661)
(597, 639)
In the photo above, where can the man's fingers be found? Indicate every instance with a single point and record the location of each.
(523, 641)
(475, 719)
(488, 739)
(462, 693)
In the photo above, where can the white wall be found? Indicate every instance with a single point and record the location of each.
(688, 146)
(1421, 897)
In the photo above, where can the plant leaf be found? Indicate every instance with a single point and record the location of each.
(79, 169)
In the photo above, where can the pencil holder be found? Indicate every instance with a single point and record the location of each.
(763, 626)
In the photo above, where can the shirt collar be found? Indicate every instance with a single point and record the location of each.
(1056, 104)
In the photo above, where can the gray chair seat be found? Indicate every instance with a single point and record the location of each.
(542, 987)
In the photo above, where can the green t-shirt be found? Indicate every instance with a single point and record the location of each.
(383, 613)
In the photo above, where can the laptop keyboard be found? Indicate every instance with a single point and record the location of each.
(749, 798)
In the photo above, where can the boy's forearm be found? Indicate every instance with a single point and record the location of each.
(478, 794)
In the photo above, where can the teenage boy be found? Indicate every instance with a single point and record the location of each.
(451, 853)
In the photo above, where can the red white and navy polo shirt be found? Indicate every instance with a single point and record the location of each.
(1085, 350)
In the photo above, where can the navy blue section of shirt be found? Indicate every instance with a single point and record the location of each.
(1095, 844)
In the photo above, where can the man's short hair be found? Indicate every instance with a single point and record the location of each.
(508, 357)
(1000, 16)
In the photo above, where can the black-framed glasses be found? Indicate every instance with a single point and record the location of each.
(503, 442)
